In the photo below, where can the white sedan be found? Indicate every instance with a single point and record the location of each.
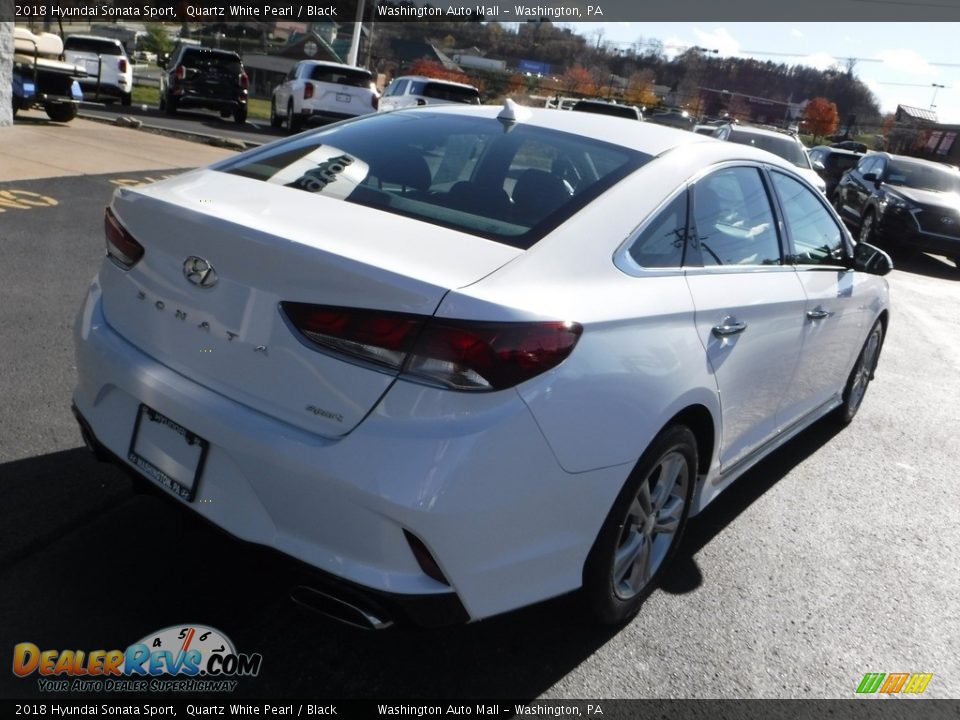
(500, 357)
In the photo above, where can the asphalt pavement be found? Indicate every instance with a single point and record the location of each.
(834, 557)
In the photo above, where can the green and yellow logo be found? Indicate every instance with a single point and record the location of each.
(893, 683)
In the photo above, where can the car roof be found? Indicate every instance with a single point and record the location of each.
(81, 36)
(436, 80)
(838, 151)
(338, 66)
(754, 130)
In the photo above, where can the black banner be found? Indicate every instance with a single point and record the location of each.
(490, 10)
(868, 709)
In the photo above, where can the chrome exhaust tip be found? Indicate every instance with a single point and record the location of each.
(343, 611)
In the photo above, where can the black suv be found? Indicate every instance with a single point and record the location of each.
(903, 202)
(831, 163)
(199, 77)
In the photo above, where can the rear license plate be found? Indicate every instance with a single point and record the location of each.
(167, 453)
(343, 97)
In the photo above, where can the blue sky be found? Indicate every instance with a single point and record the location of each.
(899, 62)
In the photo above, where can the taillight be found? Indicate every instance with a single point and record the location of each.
(122, 65)
(121, 247)
(307, 90)
(180, 72)
(456, 354)
(244, 81)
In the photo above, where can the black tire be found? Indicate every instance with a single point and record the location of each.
(126, 100)
(276, 121)
(169, 105)
(614, 595)
(868, 229)
(294, 123)
(861, 375)
(240, 115)
(61, 112)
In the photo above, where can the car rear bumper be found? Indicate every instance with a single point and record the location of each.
(197, 100)
(474, 480)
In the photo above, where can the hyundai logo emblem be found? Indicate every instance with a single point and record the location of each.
(947, 220)
(199, 272)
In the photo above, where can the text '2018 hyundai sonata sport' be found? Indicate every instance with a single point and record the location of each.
(465, 359)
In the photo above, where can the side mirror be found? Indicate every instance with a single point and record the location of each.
(870, 259)
(818, 165)
(872, 177)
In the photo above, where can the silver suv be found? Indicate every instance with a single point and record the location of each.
(415, 90)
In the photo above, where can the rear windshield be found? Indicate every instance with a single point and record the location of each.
(624, 111)
(341, 76)
(786, 147)
(196, 58)
(451, 93)
(92, 45)
(458, 171)
(842, 162)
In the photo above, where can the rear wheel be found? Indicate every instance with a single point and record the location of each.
(643, 529)
(169, 105)
(276, 120)
(861, 375)
(293, 122)
(126, 99)
(61, 112)
(240, 115)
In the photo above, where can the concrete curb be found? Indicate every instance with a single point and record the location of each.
(214, 140)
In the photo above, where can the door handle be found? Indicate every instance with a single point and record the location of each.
(818, 314)
(728, 326)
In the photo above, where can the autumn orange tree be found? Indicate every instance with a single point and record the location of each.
(433, 69)
(578, 79)
(820, 117)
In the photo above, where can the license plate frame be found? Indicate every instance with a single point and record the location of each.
(156, 443)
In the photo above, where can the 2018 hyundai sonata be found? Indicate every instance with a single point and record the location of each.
(466, 359)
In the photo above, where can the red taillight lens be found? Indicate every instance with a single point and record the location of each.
(307, 91)
(244, 81)
(379, 337)
(489, 356)
(121, 247)
(180, 72)
(457, 354)
(122, 65)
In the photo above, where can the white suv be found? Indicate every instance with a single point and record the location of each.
(324, 90)
(109, 70)
(413, 91)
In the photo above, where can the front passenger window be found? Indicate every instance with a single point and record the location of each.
(733, 220)
(816, 237)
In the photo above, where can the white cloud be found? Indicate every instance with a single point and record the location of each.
(719, 39)
(907, 61)
(796, 33)
(820, 61)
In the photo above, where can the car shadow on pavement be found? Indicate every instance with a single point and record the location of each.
(923, 264)
(126, 565)
(683, 575)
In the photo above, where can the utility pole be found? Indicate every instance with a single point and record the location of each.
(355, 38)
(935, 87)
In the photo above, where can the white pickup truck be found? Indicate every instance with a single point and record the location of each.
(109, 70)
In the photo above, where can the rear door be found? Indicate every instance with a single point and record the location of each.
(749, 304)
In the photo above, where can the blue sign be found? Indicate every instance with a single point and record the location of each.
(532, 66)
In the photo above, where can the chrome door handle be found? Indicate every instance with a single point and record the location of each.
(818, 314)
(729, 327)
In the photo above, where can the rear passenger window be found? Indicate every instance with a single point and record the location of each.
(663, 241)
(816, 237)
(733, 219)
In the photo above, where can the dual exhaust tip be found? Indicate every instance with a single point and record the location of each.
(355, 613)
